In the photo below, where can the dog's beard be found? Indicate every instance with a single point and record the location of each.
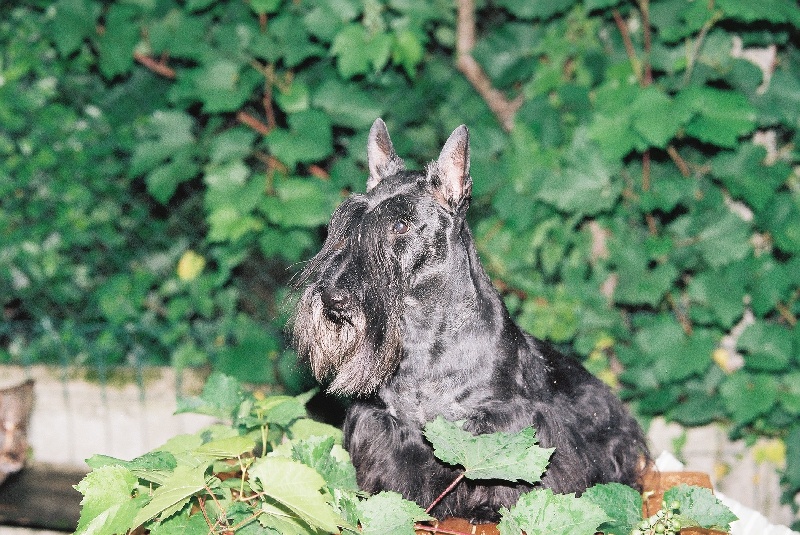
(359, 351)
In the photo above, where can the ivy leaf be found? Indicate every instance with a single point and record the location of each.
(73, 22)
(308, 139)
(699, 507)
(621, 503)
(541, 512)
(297, 487)
(387, 513)
(117, 42)
(747, 396)
(509, 456)
(719, 117)
(654, 117)
(108, 505)
(358, 52)
(768, 346)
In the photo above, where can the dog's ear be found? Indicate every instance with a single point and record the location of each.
(449, 175)
(382, 159)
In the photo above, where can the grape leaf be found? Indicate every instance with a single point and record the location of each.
(509, 456)
(541, 512)
(621, 503)
(226, 448)
(388, 513)
(318, 453)
(183, 483)
(221, 397)
(699, 507)
(297, 487)
(153, 466)
(108, 505)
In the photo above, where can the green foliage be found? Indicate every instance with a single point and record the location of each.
(272, 470)
(165, 162)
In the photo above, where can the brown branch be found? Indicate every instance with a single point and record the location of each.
(680, 163)
(319, 172)
(644, 6)
(431, 529)
(248, 120)
(445, 492)
(626, 39)
(158, 67)
(503, 108)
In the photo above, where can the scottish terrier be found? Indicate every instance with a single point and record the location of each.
(397, 311)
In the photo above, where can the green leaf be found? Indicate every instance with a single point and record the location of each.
(700, 507)
(221, 397)
(308, 138)
(73, 22)
(747, 396)
(331, 461)
(117, 42)
(768, 346)
(744, 174)
(720, 117)
(108, 505)
(184, 482)
(584, 185)
(181, 525)
(346, 104)
(509, 456)
(621, 503)
(536, 10)
(300, 203)
(227, 448)
(359, 52)
(297, 487)
(644, 286)
(387, 513)
(153, 466)
(540, 512)
(265, 6)
(655, 118)
(725, 239)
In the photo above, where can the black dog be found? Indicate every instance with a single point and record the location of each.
(397, 309)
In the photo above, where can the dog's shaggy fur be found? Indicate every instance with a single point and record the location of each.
(397, 310)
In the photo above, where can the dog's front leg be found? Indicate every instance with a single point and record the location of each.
(390, 454)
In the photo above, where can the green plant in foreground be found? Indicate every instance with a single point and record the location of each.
(273, 470)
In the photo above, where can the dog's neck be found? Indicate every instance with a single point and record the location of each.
(468, 312)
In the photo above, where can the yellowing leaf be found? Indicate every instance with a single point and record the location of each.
(190, 265)
(771, 451)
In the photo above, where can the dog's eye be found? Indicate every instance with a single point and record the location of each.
(339, 244)
(400, 227)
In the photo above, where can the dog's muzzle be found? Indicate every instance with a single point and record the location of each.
(336, 304)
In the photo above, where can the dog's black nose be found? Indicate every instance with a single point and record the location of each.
(335, 299)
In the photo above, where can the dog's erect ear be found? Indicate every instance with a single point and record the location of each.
(449, 175)
(382, 159)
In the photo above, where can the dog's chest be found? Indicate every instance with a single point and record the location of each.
(423, 403)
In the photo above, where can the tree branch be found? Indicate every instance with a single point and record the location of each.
(158, 67)
(503, 108)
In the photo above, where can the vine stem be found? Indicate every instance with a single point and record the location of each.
(423, 527)
(446, 491)
(502, 108)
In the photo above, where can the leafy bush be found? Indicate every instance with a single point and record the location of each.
(637, 196)
(274, 471)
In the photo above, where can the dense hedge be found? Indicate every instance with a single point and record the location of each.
(165, 164)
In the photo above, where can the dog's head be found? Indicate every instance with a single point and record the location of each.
(384, 249)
